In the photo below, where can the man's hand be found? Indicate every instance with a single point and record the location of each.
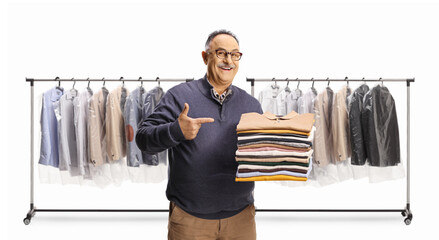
(191, 126)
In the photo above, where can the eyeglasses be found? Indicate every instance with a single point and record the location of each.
(221, 54)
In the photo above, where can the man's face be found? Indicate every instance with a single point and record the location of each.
(221, 71)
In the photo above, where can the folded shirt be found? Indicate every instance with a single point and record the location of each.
(249, 136)
(260, 149)
(278, 146)
(281, 172)
(291, 121)
(273, 159)
(275, 131)
(250, 168)
(273, 153)
(271, 178)
(273, 163)
(257, 174)
(278, 134)
(291, 144)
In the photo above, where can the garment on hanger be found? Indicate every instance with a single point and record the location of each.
(68, 155)
(358, 154)
(306, 102)
(323, 146)
(340, 125)
(292, 101)
(115, 126)
(151, 100)
(49, 154)
(133, 117)
(97, 129)
(80, 118)
(380, 124)
(269, 99)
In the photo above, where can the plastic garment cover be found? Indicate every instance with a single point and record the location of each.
(306, 102)
(49, 128)
(96, 127)
(323, 154)
(340, 125)
(151, 100)
(133, 116)
(292, 101)
(80, 117)
(268, 99)
(138, 168)
(115, 124)
(68, 156)
(380, 127)
(358, 155)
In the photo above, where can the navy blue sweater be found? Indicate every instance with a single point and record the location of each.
(202, 171)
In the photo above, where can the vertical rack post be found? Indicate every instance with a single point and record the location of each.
(407, 212)
(31, 212)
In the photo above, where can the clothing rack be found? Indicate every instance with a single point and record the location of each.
(406, 212)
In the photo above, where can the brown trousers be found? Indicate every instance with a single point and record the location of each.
(183, 226)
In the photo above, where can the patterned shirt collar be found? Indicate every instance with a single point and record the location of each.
(217, 96)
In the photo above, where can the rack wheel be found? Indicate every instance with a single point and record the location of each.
(407, 221)
(404, 213)
(26, 221)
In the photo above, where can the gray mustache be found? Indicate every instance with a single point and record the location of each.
(222, 65)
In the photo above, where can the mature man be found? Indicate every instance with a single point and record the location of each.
(197, 122)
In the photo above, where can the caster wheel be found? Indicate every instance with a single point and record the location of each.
(26, 221)
(404, 213)
(407, 221)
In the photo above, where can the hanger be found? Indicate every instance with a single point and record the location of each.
(103, 85)
(74, 83)
(364, 82)
(59, 83)
(158, 80)
(141, 82)
(123, 82)
(287, 89)
(275, 83)
(88, 85)
(346, 79)
(327, 79)
(297, 79)
(312, 79)
(382, 82)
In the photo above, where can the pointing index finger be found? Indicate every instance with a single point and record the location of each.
(204, 120)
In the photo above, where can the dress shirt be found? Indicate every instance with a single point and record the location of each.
(49, 154)
(271, 178)
(268, 98)
(68, 154)
(81, 115)
(292, 121)
(306, 102)
(292, 101)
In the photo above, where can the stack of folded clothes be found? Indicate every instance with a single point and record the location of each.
(272, 148)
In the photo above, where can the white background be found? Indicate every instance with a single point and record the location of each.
(372, 39)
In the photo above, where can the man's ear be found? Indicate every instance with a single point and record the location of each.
(204, 55)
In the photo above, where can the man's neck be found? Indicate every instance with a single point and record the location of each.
(220, 89)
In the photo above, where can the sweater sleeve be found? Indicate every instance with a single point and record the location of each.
(161, 130)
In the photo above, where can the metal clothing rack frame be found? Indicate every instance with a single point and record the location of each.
(406, 212)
